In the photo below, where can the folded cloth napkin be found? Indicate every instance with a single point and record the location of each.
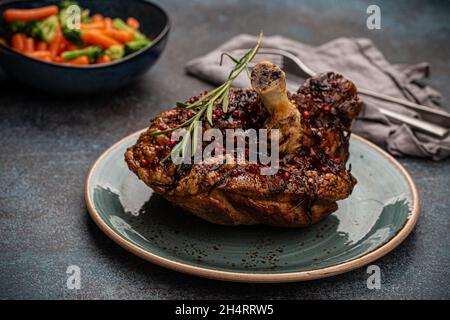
(359, 60)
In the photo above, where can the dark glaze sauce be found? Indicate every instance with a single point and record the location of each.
(326, 104)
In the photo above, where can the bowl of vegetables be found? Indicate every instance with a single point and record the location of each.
(80, 47)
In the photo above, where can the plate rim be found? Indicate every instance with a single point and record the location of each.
(296, 276)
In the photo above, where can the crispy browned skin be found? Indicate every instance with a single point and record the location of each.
(310, 180)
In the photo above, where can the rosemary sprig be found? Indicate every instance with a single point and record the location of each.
(206, 103)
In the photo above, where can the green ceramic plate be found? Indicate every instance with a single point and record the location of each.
(380, 213)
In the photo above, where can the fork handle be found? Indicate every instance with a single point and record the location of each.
(415, 123)
(436, 116)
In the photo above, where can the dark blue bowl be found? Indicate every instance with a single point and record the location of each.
(61, 79)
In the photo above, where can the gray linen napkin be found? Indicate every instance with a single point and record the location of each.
(359, 60)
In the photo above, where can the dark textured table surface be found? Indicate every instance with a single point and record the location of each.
(48, 145)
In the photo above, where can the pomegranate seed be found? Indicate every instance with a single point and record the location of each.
(143, 162)
(171, 143)
(214, 117)
(164, 127)
(169, 134)
(336, 160)
(306, 114)
(159, 148)
(334, 83)
(286, 175)
(327, 109)
(189, 114)
(235, 113)
(218, 112)
(234, 173)
(192, 100)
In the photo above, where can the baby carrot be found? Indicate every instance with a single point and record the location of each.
(58, 59)
(55, 44)
(97, 38)
(132, 22)
(93, 25)
(18, 41)
(29, 45)
(41, 46)
(97, 18)
(29, 14)
(72, 46)
(108, 23)
(121, 36)
(83, 60)
(63, 44)
(103, 59)
(40, 55)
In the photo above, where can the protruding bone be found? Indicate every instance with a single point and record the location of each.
(269, 81)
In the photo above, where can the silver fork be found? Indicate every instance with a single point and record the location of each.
(291, 64)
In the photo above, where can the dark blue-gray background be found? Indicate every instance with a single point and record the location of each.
(48, 144)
